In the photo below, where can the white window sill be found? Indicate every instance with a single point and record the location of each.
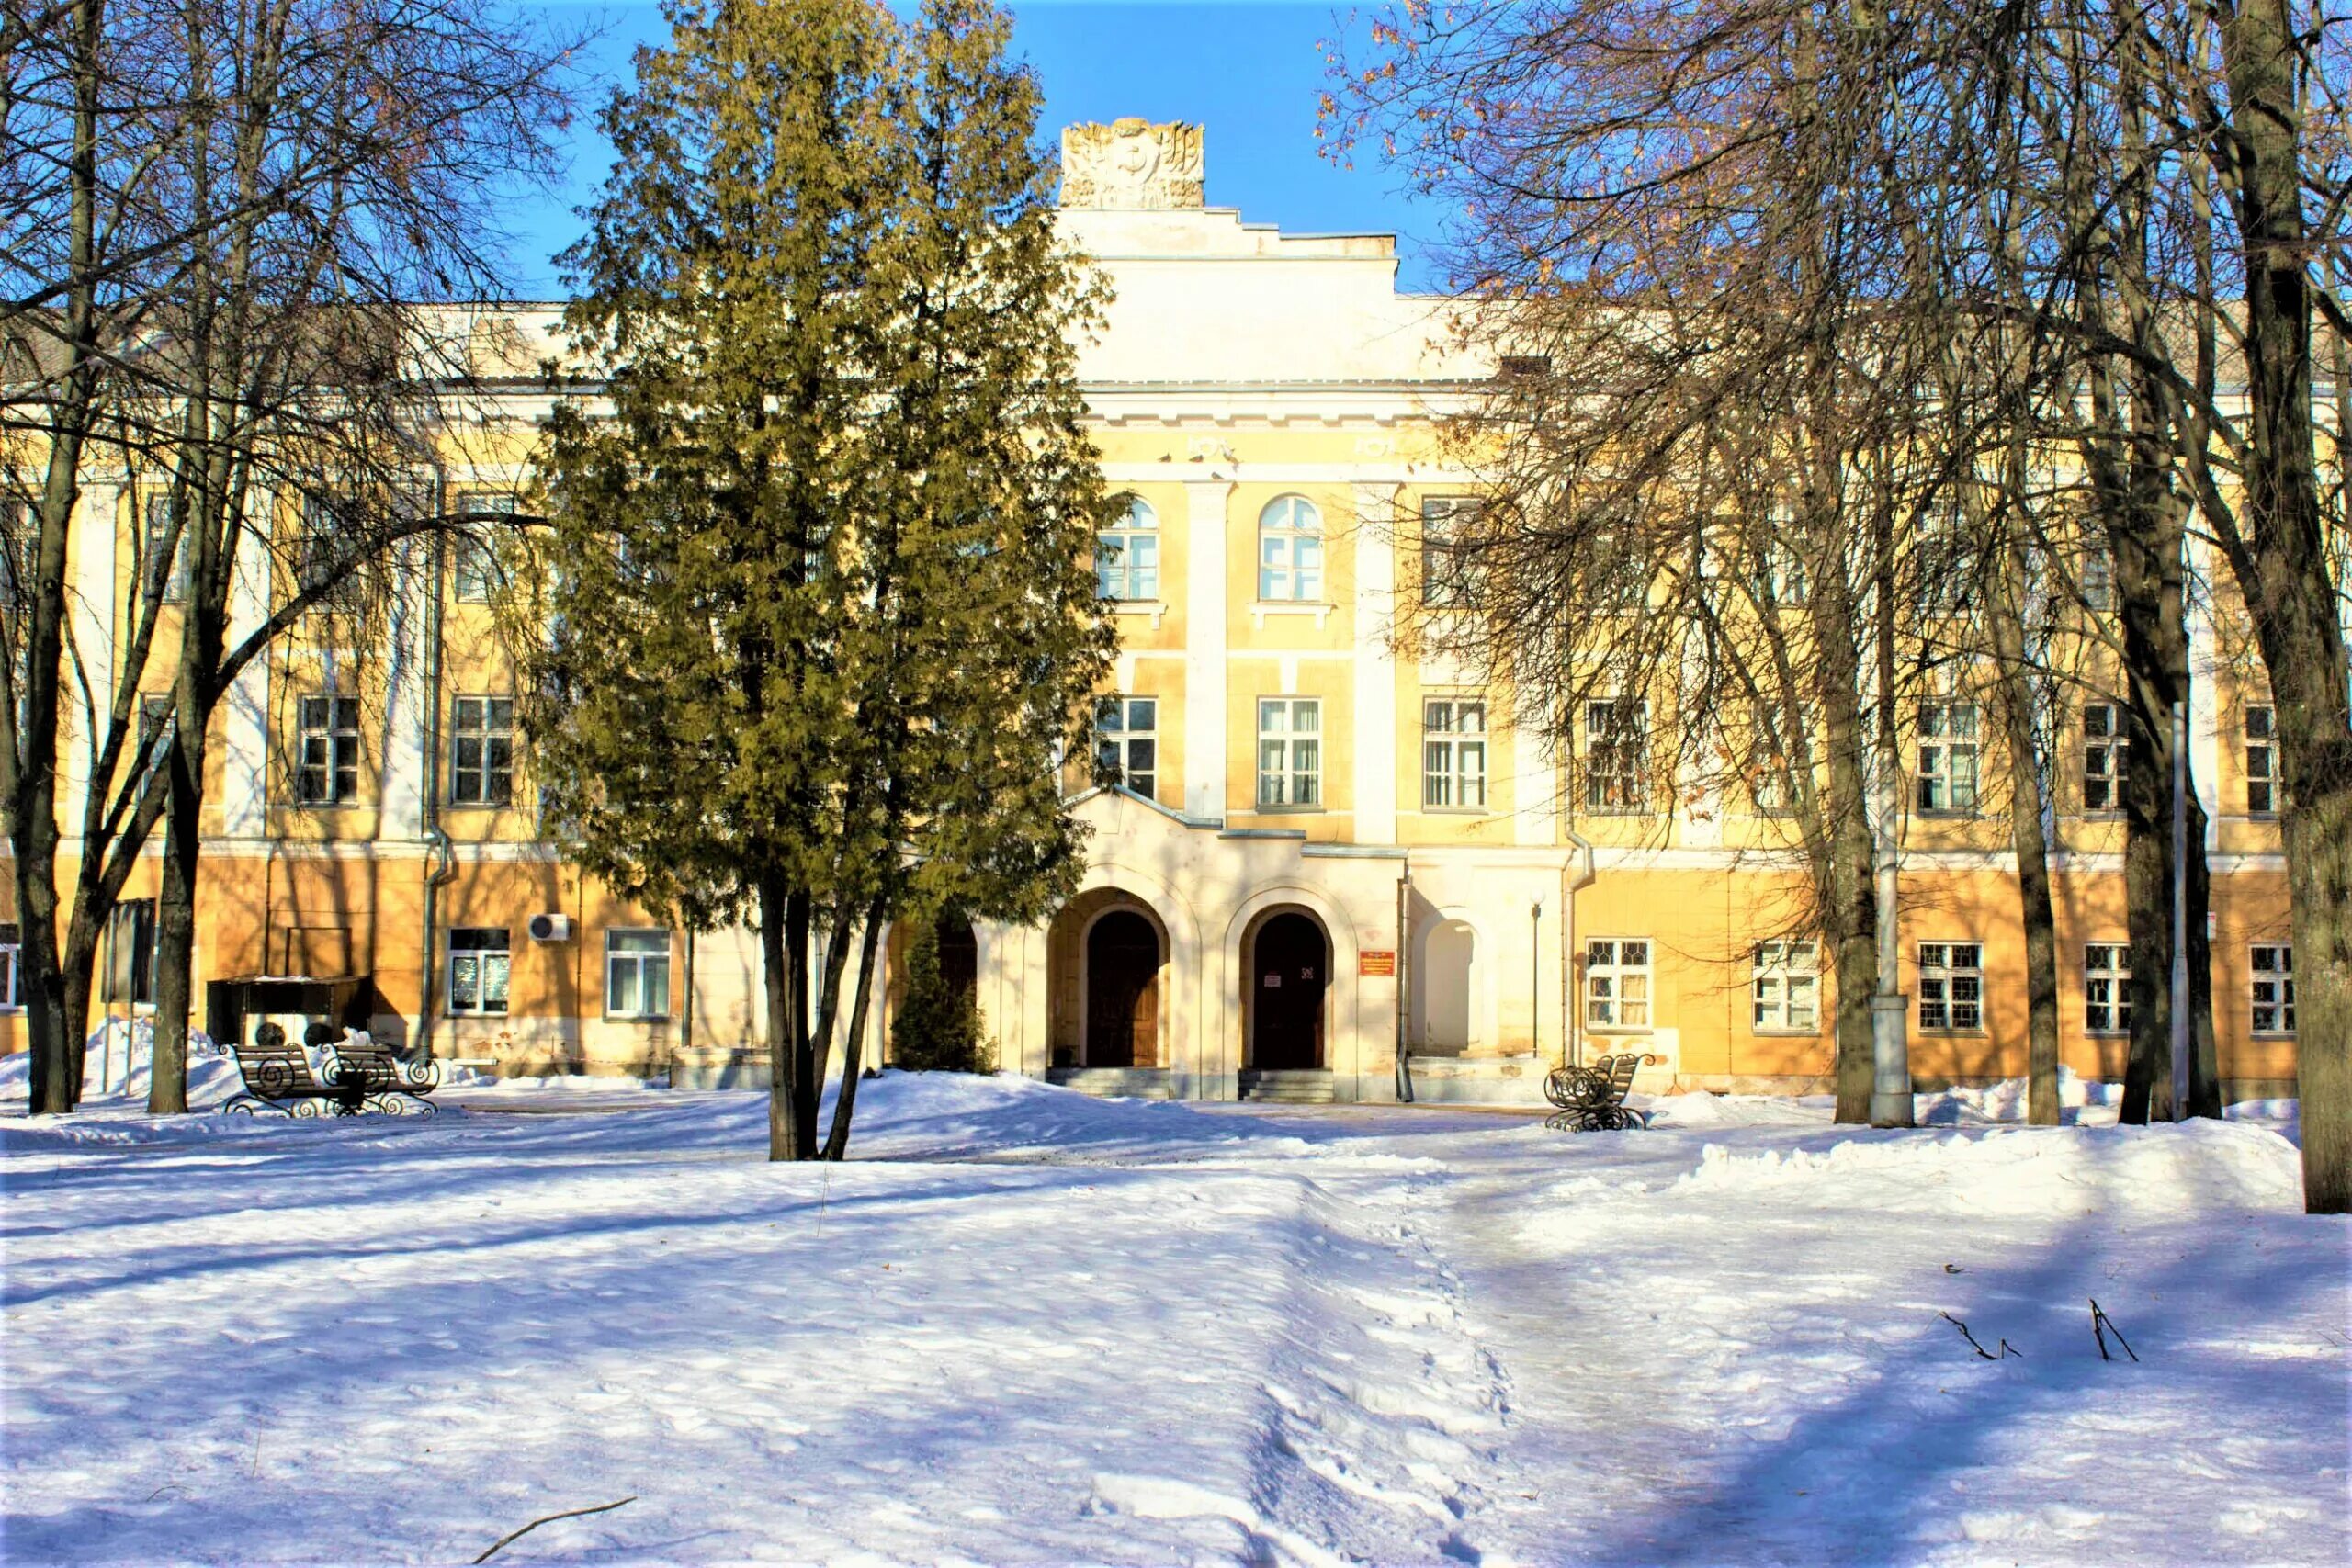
(1319, 608)
(1156, 608)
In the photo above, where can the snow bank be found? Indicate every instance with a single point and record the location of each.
(2166, 1169)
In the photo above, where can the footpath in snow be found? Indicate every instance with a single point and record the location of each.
(1022, 1327)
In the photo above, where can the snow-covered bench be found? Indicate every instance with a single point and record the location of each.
(1592, 1098)
(359, 1075)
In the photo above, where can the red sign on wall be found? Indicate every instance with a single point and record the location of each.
(1376, 961)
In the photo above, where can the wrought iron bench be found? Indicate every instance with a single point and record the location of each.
(1592, 1098)
(390, 1085)
(361, 1074)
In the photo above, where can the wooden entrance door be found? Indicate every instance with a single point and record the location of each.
(1289, 971)
(1123, 991)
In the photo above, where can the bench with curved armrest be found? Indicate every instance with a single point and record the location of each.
(1592, 1098)
(359, 1075)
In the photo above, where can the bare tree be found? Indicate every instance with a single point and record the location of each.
(328, 179)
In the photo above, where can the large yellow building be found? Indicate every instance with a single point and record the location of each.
(1330, 851)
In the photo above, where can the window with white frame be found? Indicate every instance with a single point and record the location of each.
(165, 554)
(1290, 550)
(1947, 756)
(2274, 988)
(327, 733)
(1952, 987)
(475, 573)
(12, 996)
(1453, 754)
(2261, 759)
(477, 971)
(1290, 751)
(1772, 782)
(481, 751)
(2099, 579)
(318, 550)
(1616, 748)
(2107, 988)
(16, 553)
(2103, 757)
(1786, 582)
(1126, 558)
(1446, 564)
(1617, 984)
(636, 974)
(1943, 563)
(1126, 739)
(1784, 991)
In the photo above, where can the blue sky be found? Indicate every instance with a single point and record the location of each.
(1249, 70)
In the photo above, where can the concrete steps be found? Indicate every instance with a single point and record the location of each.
(1287, 1086)
(1109, 1083)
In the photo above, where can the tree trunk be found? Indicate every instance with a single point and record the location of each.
(2029, 838)
(783, 1126)
(176, 935)
(2282, 570)
(853, 1046)
(808, 1085)
(1850, 904)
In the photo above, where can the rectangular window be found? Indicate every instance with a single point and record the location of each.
(1126, 739)
(477, 971)
(1785, 581)
(1770, 781)
(1944, 564)
(165, 556)
(636, 974)
(2103, 756)
(1952, 987)
(2261, 761)
(2107, 993)
(16, 554)
(1946, 776)
(1453, 754)
(1445, 562)
(481, 751)
(328, 730)
(2099, 580)
(2274, 988)
(154, 720)
(1617, 984)
(1126, 557)
(1290, 751)
(317, 557)
(1785, 990)
(473, 559)
(12, 996)
(1616, 746)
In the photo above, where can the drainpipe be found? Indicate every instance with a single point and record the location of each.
(441, 857)
(1403, 979)
(1576, 874)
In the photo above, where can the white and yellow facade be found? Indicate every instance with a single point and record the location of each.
(1336, 850)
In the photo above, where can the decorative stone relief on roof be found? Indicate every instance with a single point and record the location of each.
(1132, 164)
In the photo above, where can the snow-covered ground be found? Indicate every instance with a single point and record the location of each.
(1028, 1328)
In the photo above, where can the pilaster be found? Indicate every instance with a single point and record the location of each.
(1204, 636)
(1375, 763)
(244, 729)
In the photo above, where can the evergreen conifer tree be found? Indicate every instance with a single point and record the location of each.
(816, 619)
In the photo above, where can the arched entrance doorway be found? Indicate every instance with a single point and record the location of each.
(1448, 952)
(1123, 961)
(1289, 972)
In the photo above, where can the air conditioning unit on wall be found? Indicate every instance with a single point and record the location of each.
(550, 927)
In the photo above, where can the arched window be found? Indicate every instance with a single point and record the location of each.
(1126, 558)
(1290, 550)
